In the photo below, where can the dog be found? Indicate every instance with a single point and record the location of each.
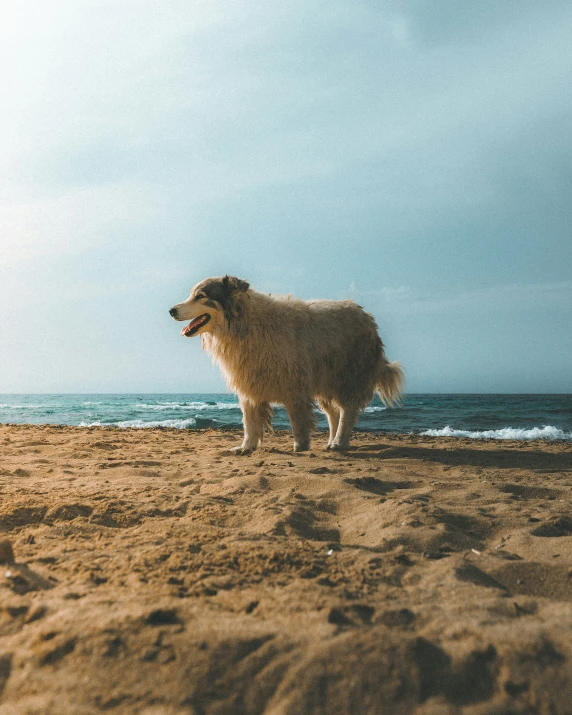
(278, 349)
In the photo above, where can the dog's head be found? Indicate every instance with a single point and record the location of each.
(213, 303)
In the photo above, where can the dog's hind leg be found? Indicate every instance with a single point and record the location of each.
(333, 415)
(255, 417)
(348, 418)
(301, 413)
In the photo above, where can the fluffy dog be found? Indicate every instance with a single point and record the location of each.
(277, 349)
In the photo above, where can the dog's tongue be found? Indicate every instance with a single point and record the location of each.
(193, 324)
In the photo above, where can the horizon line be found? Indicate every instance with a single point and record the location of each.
(197, 392)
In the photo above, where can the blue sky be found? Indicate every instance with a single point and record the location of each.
(413, 156)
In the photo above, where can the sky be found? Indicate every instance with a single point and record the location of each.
(413, 156)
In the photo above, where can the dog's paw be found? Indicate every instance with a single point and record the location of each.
(335, 447)
(301, 446)
(241, 451)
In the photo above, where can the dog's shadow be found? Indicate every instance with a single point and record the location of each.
(460, 455)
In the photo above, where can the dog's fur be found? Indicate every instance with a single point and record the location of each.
(278, 349)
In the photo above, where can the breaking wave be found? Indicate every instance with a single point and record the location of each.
(188, 406)
(141, 424)
(547, 432)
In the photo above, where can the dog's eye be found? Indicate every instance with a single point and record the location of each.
(200, 296)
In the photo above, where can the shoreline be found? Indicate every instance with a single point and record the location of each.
(317, 436)
(154, 572)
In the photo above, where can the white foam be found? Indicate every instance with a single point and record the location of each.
(140, 424)
(375, 408)
(547, 432)
(187, 406)
(6, 406)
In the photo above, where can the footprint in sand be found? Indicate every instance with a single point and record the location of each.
(556, 526)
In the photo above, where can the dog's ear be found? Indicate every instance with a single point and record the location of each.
(231, 284)
(234, 289)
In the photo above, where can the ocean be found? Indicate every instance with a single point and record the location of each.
(521, 417)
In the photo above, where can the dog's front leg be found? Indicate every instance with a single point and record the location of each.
(254, 417)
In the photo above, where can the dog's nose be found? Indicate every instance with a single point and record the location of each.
(173, 312)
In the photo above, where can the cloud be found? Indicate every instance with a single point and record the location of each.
(445, 300)
(213, 103)
(70, 224)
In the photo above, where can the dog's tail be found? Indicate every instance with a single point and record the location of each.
(390, 382)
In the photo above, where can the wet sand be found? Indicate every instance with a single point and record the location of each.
(149, 571)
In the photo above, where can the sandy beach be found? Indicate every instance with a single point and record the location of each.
(150, 571)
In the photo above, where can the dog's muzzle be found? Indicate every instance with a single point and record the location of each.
(194, 326)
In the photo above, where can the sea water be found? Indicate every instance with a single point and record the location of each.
(521, 417)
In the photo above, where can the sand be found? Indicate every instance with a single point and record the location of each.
(150, 571)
